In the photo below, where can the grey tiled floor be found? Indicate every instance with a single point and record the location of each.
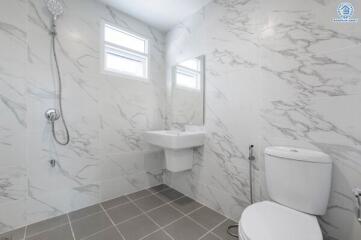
(158, 213)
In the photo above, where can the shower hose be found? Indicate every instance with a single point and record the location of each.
(67, 137)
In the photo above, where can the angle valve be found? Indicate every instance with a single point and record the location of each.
(357, 193)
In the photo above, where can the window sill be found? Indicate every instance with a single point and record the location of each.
(125, 76)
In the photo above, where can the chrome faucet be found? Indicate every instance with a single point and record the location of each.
(357, 193)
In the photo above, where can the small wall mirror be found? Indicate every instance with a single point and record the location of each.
(188, 95)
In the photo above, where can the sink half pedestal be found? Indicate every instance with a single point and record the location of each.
(178, 160)
(178, 147)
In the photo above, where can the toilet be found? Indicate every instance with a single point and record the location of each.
(298, 183)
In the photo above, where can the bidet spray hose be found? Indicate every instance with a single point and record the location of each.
(251, 158)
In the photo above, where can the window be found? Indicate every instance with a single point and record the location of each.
(188, 74)
(125, 53)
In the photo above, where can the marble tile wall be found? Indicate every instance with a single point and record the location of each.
(279, 72)
(106, 114)
(186, 107)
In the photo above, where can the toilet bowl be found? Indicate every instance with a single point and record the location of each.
(272, 221)
(298, 182)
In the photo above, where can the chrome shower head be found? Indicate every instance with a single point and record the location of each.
(55, 8)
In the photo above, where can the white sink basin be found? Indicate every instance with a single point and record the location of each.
(171, 139)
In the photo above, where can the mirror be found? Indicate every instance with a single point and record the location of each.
(188, 95)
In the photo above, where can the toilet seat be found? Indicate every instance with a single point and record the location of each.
(272, 221)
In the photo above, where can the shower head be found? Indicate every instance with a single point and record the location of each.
(55, 8)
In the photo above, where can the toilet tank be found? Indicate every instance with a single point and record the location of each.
(299, 178)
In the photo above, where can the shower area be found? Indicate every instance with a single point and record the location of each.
(70, 136)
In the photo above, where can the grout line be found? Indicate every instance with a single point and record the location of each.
(131, 201)
(111, 220)
(212, 229)
(152, 193)
(118, 205)
(71, 226)
(100, 204)
(142, 211)
(195, 221)
(89, 215)
(25, 229)
(48, 229)
(200, 225)
(162, 228)
(148, 195)
(151, 219)
(93, 234)
(162, 205)
(129, 219)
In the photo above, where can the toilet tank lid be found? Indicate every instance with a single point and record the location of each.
(298, 154)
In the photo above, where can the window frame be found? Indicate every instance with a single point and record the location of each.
(105, 45)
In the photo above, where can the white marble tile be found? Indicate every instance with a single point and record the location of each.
(12, 184)
(115, 187)
(278, 73)
(12, 89)
(12, 215)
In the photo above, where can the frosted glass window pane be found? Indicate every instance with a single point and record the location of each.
(194, 64)
(124, 64)
(120, 38)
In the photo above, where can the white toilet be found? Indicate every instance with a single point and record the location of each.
(298, 182)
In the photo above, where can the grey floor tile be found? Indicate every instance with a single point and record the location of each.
(160, 235)
(17, 234)
(139, 194)
(185, 229)
(164, 215)
(186, 204)
(90, 225)
(207, 217)
(46, 225)
(108, 234)
(221, 230)
(137, 228)
(85, 212)
(158, 188)
(210, 236)
(149, 202)
(59, 233)
(123, 212)
(169, 195)
(115, 202)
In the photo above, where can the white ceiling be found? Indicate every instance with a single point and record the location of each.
(162, 14)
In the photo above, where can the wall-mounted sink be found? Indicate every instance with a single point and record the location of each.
(178, 146)
(172, 139)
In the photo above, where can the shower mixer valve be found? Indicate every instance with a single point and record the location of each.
(52, 115)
